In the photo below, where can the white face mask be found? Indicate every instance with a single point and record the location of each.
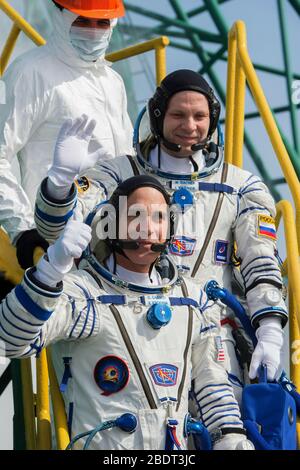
(91, 43)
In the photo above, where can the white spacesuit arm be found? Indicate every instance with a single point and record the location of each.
(90, 189)
(51, 215)
(255, 235)
(109, 174)
(213, 392)
(19, 117)
(216, 405)
(34, 315)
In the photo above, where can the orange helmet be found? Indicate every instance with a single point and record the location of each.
(94, 8)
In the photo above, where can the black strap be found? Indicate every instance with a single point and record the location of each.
(233, 431)
(195, 165)
(133, 165)
(263, 281)
(134, 357)
(217, 433)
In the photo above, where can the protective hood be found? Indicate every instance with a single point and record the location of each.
(144, 142)
(98, 251)
(91, 262)
(60, 41)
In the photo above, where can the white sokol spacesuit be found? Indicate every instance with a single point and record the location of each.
(226, 205)
(44, 87)
(112, 356)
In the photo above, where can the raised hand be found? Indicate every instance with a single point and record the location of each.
(60, 256)
(71, 156)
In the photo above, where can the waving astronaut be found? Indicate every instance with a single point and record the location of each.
(128, 334)
(62, 79)
(221, 205)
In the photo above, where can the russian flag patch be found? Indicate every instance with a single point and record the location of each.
(266, 226)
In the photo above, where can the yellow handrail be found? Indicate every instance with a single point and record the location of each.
(43, 403)
(158, 45)
(60, 418)
(19, 24)
(28, 404)
(238, 56)
(286, 212)
(294, 351)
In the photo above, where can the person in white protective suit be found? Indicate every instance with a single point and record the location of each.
(128, 334)
(63, 79)
(222, 205)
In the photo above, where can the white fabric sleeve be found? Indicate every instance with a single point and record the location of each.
(255, 235)
(213, 392)
(19, 117)
(51, 215)
(34, 315)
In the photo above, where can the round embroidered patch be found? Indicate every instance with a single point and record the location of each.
(82, 184)
(111, 374)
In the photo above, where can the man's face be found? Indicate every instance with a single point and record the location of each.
(147, 222)
(186, 121)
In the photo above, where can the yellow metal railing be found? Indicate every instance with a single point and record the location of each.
(240, 69)
(28, 404)
(43, 403)
(59, 413)
(285, 211)
(19, 24)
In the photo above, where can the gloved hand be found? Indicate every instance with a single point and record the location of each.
(71, 156)
(233, 442)
(62, 253)
(26, 245)
(268, 350)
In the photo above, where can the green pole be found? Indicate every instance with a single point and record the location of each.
(196, 11)
(294, 156)
(214, 58)
(18, 419)
(213, 8)
(182, 47)
(289, 77)
(204, 35)
(296, 5)
(263, 68)
(280, 109)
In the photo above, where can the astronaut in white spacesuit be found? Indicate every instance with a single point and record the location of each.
(62, 79)
(221, 205)
(128, 335)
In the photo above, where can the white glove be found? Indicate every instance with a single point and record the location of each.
(233, 442)
(71, 156)
(70, 245)
(268, 350)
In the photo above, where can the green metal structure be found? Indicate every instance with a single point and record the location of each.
(208, 45)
